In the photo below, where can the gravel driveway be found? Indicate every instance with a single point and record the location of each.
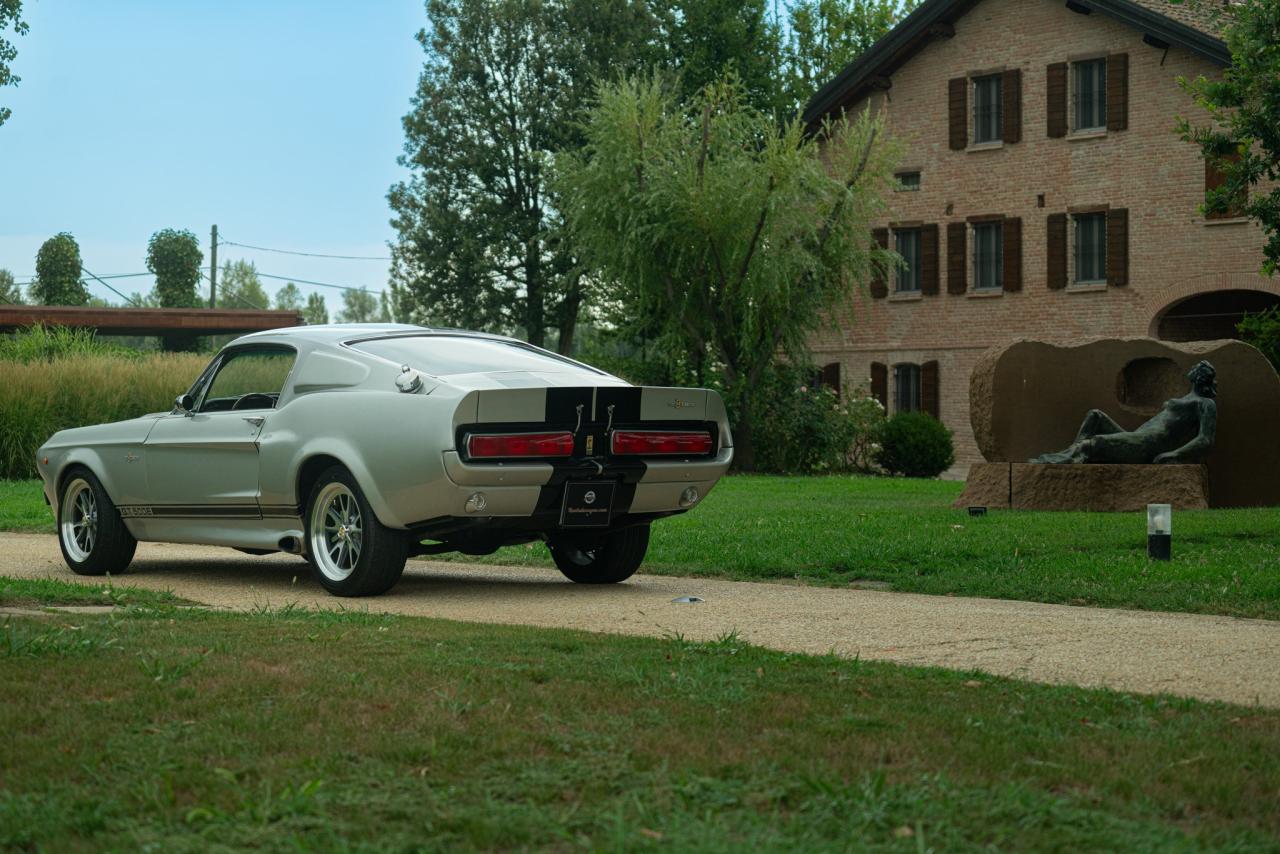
(1213, 658)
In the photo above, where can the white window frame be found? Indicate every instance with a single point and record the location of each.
(974, 268)
(1101, 101)
(1076, 249)
(996, 81)
(906, 280)
(911, 374)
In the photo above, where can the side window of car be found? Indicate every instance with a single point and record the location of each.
(248, 379)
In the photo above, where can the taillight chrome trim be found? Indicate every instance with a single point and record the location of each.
(619, 439)
(563, 437)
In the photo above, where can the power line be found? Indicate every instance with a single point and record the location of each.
(108, 287)
(318, 284)
(306, 254)
(235, 295)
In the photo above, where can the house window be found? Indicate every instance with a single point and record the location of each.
(907, 244)
(1090, 248)
(908, 180)
(906, 388)
(1089, 89)
(988, 256)
(988, 98)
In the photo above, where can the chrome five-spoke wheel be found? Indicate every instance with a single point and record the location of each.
(337, 531)
(79, 528)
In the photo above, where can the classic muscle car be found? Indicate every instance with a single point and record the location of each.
(358, 446)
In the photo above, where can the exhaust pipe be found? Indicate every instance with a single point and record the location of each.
(291, 544)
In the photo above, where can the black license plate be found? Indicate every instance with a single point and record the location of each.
(587, 505)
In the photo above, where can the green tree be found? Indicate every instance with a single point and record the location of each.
(9, 291)
(240, 287)
(289, 298)
(725, 233)
(823, 36)
(503, 87)
(10, 16)
(315, 313)
(1243, 135)
(358, 307)
(712, 37)
(58, 273)
(174, 257)
(1262, 330)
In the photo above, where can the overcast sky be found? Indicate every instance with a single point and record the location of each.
(278, 121)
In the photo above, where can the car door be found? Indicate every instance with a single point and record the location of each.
(203, 462)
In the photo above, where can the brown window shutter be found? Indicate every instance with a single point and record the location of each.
(879, 286)
(1012, 106)
(1118, 91)
(1118, 247)
(1056, 250)
(957, 270)
(929, 389)
(958, 112)
(1013, 253)
(1056, 103)
(929, 260)
(831, 377)
(880, 383)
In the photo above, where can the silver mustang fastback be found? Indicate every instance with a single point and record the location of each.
(361, 445)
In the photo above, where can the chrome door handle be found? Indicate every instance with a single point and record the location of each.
(255, 420)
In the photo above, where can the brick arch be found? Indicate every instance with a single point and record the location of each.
(1159, 303)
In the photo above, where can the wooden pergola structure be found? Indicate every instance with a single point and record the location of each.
(147, 321)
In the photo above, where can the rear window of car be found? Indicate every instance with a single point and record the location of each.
(442, 355)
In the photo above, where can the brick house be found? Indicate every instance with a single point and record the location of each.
(1043, 193)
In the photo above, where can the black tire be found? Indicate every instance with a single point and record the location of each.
(600, 558)
(369, 557)
(97, 545)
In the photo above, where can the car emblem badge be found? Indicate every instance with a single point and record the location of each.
(590, 497)
(129, 457)
(680, 404)
(591, 445)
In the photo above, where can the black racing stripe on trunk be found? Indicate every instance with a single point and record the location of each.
(625, 403)
(563, 403)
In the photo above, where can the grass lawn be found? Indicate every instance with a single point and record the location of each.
(904, 533)
(181, 730)
(41, 591)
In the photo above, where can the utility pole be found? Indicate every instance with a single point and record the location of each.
(213, 269)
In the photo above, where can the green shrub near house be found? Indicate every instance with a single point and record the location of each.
(915, 444)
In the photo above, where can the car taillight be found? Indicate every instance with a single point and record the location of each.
(647, 442)
(508, 445)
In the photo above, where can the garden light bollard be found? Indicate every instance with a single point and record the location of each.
(1159, 531)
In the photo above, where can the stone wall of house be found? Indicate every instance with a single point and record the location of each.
(1173, 252)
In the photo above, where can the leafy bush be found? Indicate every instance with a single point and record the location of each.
(42, 395)
(916, 445)
(45, 343)
(1262, 330)
(809, 429)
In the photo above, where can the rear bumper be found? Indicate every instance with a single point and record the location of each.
(529, 489)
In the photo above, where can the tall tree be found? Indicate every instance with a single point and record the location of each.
(724, 232)
(289, 298)
(358, 307)
(823, 36)
(240, 287)
(9, 291)
(712, 37)
(315, 313)
(58, 273)
(503, 87)
(174, 257)
(10, 16)
(1243, 136)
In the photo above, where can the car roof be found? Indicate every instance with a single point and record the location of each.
(336, 333)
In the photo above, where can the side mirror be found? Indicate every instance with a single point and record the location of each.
(184, 403)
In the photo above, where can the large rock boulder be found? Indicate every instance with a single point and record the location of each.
(1029, 397)
(1099, 488)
